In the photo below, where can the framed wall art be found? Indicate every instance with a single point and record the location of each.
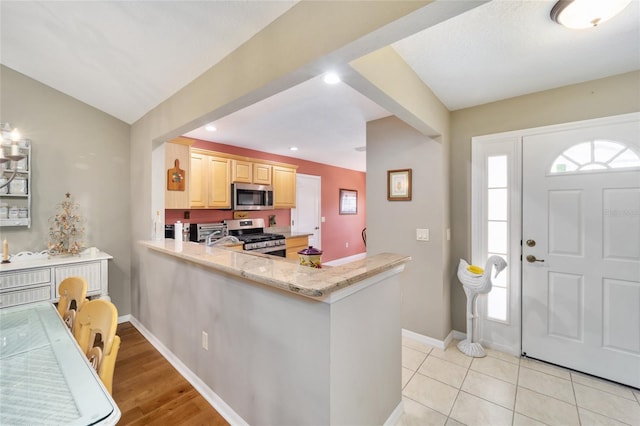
(399, 185)
(348, 201)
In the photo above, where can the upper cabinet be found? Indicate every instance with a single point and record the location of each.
(262, 173)
(177, 164)
(284, 187)
(209, 176)
(243, 171)
(210, 181)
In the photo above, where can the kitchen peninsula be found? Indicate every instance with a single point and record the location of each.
(276, 342)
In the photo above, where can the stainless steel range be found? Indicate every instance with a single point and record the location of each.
(251, 233)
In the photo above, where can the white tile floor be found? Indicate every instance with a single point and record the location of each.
(448, 388)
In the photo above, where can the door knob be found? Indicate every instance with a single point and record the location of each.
(531, 258)
(531, 243)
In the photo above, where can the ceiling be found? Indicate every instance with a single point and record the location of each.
(126, 57)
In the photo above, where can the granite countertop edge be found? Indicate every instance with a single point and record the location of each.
(278, 272)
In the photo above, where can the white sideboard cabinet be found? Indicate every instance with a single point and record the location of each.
(27, 280)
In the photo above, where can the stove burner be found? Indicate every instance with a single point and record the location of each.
(251, 233)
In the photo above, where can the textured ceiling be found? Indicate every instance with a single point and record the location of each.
(509, 48)
(325, 122)
(126, 57)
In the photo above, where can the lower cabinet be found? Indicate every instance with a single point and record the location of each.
(28, 281)
(295, 244)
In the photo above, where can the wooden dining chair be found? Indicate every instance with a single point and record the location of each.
(95, 332)
(73, 293)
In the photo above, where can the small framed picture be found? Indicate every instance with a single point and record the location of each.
(348, 201)
(399, 185)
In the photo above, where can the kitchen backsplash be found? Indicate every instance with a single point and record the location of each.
(282, 216)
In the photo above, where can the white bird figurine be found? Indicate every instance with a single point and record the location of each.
(475, 281)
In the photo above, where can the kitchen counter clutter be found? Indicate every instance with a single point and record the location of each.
(276, 272)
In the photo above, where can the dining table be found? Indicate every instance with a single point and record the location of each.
(45, 378)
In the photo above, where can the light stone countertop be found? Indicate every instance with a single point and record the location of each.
(277, 272)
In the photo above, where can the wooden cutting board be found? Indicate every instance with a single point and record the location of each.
(175, 178)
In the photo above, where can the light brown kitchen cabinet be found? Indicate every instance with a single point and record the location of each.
(262, 173)
(210, 181)
(180, 152)
(249, 172)
(241, 171)
(295, 244)
(284, 187)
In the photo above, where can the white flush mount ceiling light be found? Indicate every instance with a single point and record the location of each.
(579, 14)
(293, 148)
(331, 78)
(210, 128)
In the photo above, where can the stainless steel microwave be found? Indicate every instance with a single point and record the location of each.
(247, 196)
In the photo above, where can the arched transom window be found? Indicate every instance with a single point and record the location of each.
(595, 155)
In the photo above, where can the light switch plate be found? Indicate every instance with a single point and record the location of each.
(422, 234)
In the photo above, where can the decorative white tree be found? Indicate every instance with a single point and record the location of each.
(66, 229)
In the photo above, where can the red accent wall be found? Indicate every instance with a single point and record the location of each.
(337, 230)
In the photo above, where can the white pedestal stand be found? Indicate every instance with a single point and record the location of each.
(468, 346)
(475, 284)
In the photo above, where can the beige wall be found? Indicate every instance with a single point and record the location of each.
(399, 142)
(599, 98)
(392, 145)
(79, 149)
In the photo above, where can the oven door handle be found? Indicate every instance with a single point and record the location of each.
(267, 249)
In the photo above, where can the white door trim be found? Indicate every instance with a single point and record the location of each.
(508, 337)
(295, 212)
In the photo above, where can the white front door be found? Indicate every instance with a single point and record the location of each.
(305, 218)
(581, 249)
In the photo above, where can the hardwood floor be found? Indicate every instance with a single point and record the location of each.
(149, 391)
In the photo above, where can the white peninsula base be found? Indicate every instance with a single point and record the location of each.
(275, 357)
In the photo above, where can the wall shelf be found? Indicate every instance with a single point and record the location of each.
(15, 195)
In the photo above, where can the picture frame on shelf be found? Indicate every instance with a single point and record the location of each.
(399, 185)
(348, 201)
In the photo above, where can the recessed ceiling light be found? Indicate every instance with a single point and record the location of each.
(210, 128)
(293, 148)
(579, 14)
(331, 78)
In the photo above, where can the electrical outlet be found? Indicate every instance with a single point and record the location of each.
(346, 244)
(205, 341)
(422, 234)
(448, 234)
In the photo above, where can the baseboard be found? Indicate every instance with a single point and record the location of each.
(343, 260)
(207, 393)
(459, 335)
(124, 318)
(395, 415)
(440, 344)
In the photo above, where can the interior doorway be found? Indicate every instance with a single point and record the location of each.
(306, 217)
